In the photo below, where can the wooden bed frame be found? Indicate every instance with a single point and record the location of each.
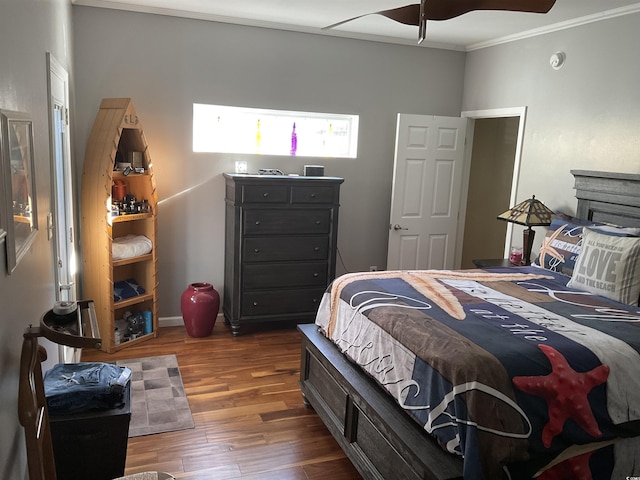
(377, 436)
(608, 197)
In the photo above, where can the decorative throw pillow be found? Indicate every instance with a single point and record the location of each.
(608, 266)
(563, 242)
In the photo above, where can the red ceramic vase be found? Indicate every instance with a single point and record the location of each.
(199, 304)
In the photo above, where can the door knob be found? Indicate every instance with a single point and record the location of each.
(398, 227)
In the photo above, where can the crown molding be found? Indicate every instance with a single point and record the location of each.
(556, 27)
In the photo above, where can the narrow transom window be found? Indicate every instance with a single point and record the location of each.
(225, 129)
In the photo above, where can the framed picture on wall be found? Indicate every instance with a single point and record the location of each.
(19, 207)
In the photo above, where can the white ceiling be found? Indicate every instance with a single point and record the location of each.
(467, 32)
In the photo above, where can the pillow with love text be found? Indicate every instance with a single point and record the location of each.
(608, 266)
(563, 242)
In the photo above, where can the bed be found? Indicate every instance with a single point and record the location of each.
(515, 373)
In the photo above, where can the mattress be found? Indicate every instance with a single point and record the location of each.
(508, 368)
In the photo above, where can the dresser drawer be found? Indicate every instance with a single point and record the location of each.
(276, 275)
(278, 249)
(265, 194)
(312, 194)
(281, 301)
(283, 222)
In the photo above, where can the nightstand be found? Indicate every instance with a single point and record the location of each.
(493, 262)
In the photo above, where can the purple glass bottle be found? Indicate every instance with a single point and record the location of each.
(294, 140)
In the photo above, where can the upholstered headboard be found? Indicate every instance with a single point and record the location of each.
(608, 197)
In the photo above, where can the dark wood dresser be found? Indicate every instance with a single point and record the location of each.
(280, 247)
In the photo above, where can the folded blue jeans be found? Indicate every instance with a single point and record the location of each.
(79, 387)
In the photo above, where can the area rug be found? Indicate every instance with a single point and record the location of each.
(158, 401)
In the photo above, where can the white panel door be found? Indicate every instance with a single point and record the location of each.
(61, 220)
(62, 223)
(427, 183)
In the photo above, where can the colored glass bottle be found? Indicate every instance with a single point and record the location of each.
(294, 140)
(258, 137)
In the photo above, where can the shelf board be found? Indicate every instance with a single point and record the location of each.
(128, 261)
(131, 217)
(128, 343)
(133, 301)
(118, 174)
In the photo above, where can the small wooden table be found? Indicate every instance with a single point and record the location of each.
(493, 262)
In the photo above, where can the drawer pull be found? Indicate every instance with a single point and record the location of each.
(315, 300)
(317, 222)
(316, 274)
(257, 222)
(313, 195)
(256, 250)
(265, 194)
(255, 304)
(316, 249)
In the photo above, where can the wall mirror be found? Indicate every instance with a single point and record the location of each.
(3, 231)
(19, 202)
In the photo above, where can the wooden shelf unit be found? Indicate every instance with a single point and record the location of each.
(117, 128)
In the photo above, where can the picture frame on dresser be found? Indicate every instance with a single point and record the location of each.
(19, 209)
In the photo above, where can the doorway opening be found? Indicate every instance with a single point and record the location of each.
(491, 176)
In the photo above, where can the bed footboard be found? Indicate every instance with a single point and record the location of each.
(375, 434)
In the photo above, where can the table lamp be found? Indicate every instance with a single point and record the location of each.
(530, 213)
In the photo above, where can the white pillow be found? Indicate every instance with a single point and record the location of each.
(608, 266)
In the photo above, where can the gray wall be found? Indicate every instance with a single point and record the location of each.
(166, 64)
(28, 29)
(586, 116)
(583, 116)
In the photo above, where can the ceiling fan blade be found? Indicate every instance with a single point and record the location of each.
(418, 14)
(409, 15)
(447, 9)
(333, 25)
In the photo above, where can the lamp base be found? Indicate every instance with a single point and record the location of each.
(527, 245)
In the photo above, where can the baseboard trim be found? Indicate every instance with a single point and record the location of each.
(178, 322)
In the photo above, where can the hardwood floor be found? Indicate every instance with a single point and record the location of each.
(250, 421)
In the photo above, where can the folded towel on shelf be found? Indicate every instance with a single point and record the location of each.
(130, 246)
(126, 289)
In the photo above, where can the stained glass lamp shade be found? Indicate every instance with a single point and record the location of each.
(530, 213)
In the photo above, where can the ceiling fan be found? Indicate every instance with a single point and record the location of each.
(418, 14)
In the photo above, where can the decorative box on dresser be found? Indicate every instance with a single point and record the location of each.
(280, 247)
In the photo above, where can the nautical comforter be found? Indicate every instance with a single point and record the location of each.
(509, 368)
